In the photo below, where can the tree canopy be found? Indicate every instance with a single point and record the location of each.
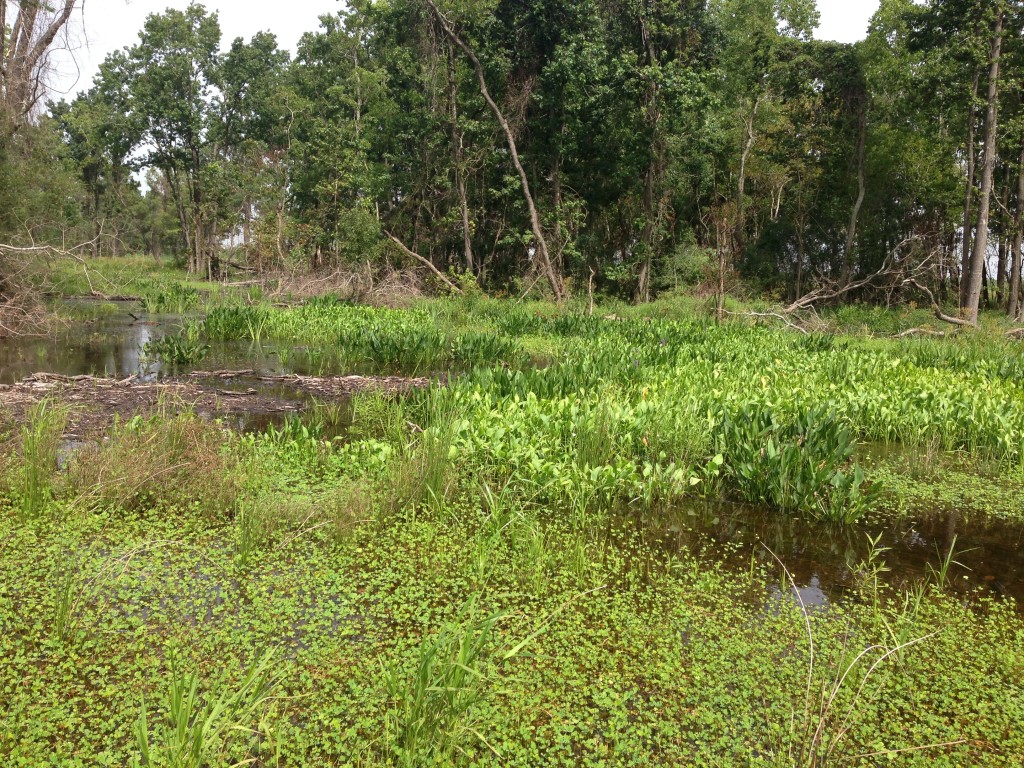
(641, 144)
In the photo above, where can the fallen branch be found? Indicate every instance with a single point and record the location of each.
(1016, 333)
(760, 315)
(426, 262)
(958, 321)
(920, 332)
(891, 268)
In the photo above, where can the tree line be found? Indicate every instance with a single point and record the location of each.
(635, 145)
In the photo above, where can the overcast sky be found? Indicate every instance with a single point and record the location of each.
(113, 24)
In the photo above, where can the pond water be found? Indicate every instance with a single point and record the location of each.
(109, 341)
(823, 559)
(106, 341)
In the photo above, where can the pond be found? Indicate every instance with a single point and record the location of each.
(826, 560)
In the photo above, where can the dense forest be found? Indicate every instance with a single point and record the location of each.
(627, 146)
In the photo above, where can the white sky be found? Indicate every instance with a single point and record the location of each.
(113, 24)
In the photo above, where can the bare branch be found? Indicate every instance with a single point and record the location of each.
(959, 321)
(426, 262)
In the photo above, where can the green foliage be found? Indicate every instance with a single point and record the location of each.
(36, 467)
(183, 348)
(435, 706)
(197, 728)
(802, 465)
(173, 298)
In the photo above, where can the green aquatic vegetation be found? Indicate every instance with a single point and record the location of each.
(36, 465)
(474, 348)
(196, 728)
(183, 348)
(235, 323)
(168, 298)
(803, 464)
(359, 550)
(435, 706)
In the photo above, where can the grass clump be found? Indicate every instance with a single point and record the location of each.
(31, 470)
(434, 711)
(222, 726)
(183, 348)
(169, 462)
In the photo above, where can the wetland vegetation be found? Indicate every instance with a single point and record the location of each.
(491, 383)
(632, 538)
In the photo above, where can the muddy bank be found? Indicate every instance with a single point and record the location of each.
(95, 403)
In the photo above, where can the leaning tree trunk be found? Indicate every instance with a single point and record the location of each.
(972, 120)
(987, 177)
(547, 268)
(1018, 240)
(24, 50)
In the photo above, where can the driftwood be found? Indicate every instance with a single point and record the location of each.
(425, 262)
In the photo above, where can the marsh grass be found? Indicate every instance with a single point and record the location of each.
(838, 688)
(36, 465)
(167, 461)
(222, 725)
(187, 347)
(424, 476)
(69, 589)
(434, 717)
(940, 574)
(378, 415)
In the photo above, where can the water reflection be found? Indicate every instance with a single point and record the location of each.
(104, 344)
(823, 559)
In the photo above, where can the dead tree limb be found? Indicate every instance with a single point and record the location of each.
(774, 315)
(425, 262)
(920, 332)
(893, 270)
(958, 321)
(542, 244)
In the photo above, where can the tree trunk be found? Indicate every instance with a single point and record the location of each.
(851, 231)
(655, 170)
(972, 124)
(23, 54)
(739, 240)
(460, 171)
(987, 177)
(1018, 240)
(1004, 239)
(543, 253)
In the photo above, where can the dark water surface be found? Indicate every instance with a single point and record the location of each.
(823, 559)
(107, 339)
